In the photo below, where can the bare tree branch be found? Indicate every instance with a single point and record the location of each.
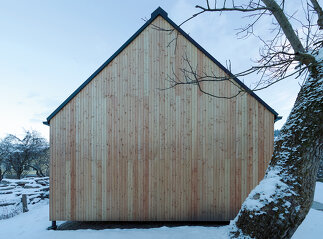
(319, 12)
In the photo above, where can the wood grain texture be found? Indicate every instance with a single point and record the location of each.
(123, 150)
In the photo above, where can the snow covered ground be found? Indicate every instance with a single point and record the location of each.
(33, 225)
(11, 190)
(318, 196)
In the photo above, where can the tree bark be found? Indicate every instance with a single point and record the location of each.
(319, 12)
(279, 204)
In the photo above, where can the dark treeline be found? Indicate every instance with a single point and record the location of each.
(21, 156)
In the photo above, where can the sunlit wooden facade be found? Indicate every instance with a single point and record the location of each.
(123, 150)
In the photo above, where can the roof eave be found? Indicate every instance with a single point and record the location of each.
(277, 118)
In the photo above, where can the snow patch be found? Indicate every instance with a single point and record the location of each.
(269, 190)
(287, 204)
(311, 227)
(318, 195)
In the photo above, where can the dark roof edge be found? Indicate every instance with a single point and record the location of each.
(158, 12)
(246, 88)
(278, 118)
(153, 16)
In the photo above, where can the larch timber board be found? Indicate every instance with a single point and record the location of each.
(123, 150)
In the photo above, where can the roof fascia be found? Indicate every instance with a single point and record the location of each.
(246, 88)
(159, 12)
(154, 15)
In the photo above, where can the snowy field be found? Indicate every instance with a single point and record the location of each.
(33, 225)
(11, 190)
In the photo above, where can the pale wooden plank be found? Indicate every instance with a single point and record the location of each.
(142, 154)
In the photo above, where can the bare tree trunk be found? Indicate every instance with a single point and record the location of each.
(19, 173)
(279, 204)
(39, 172)
(284, 24)
(319, 12)
(281, 201)
(281, 18)
(2, 173)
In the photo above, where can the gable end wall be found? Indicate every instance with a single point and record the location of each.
(122, 150)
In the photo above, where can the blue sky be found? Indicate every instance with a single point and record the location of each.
(49, 48)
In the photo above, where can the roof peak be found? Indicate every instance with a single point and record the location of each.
(159, 11)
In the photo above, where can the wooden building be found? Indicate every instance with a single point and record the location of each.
(124, 150)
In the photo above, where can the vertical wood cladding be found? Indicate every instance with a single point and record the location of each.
(122, 149)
